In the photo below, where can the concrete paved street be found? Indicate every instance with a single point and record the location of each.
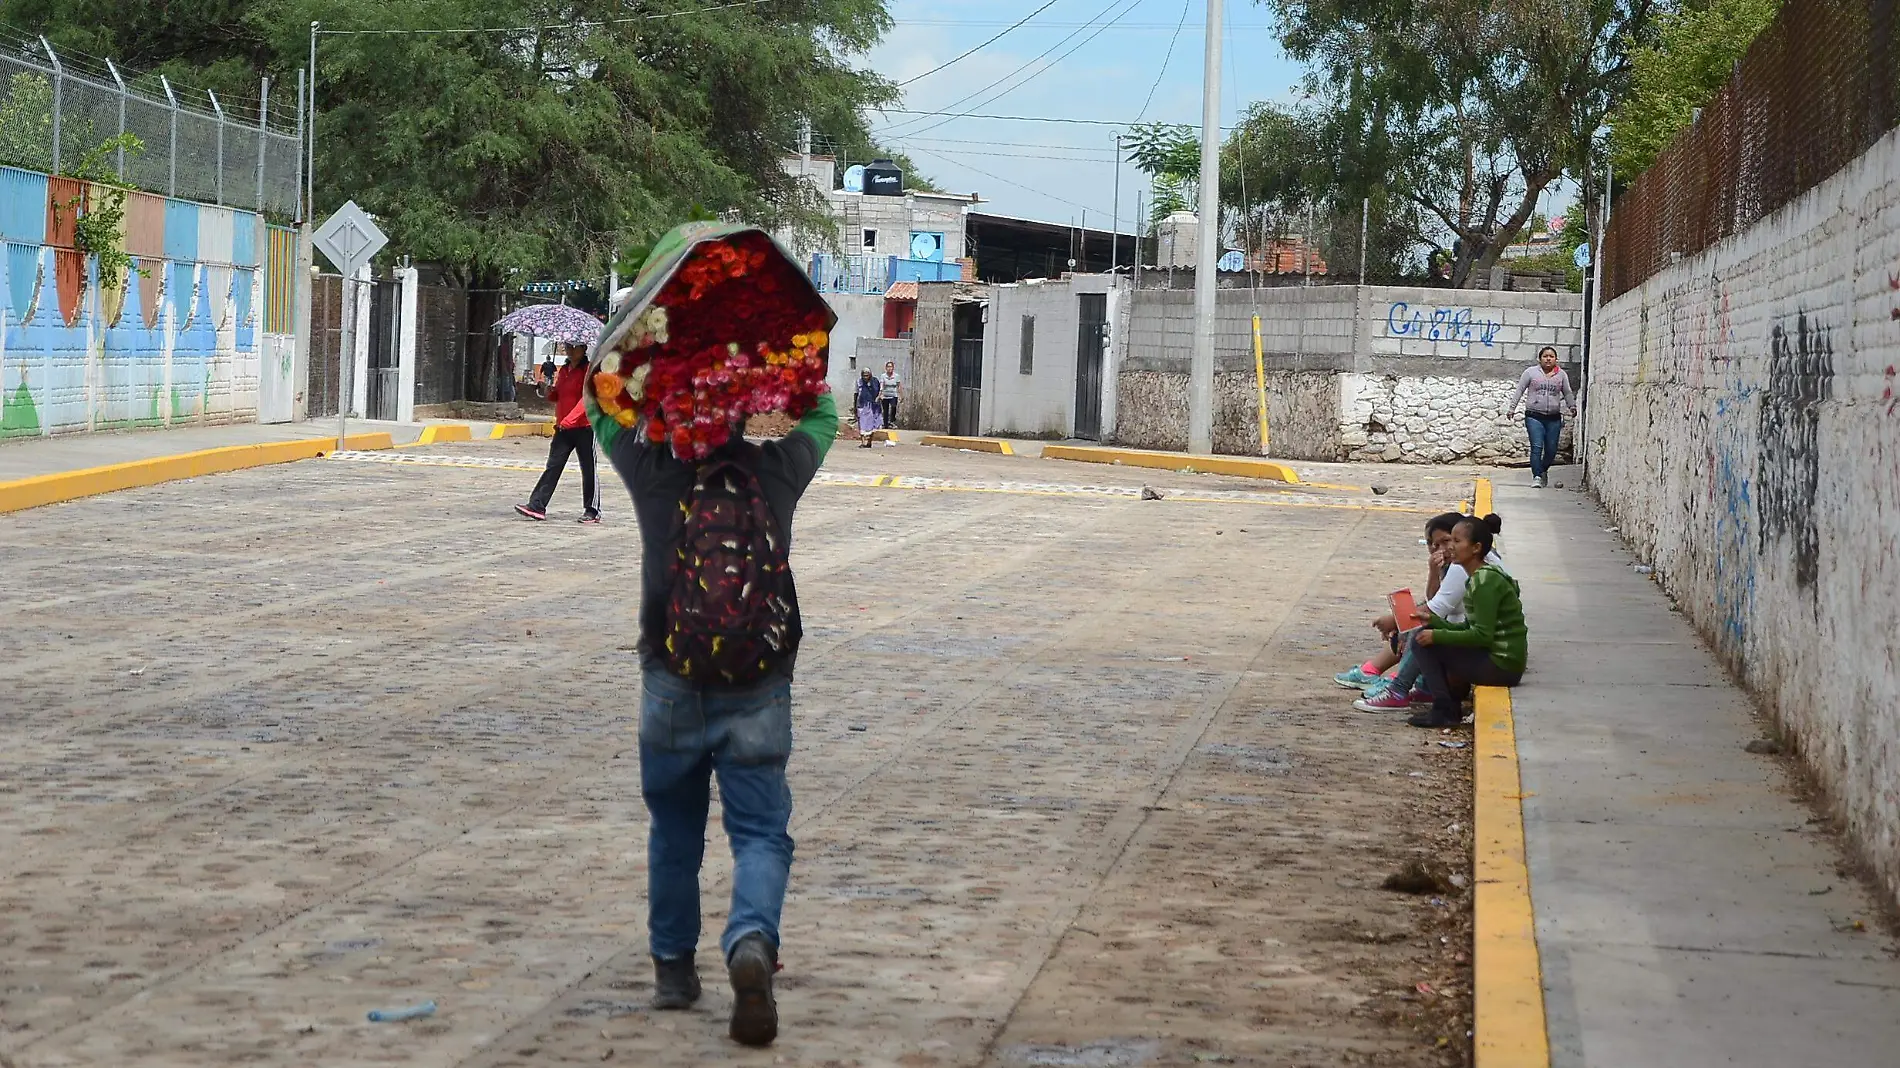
(1073, 786)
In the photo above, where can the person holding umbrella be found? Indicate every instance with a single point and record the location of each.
(572, 434)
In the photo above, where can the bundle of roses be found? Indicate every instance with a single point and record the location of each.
(736, 331)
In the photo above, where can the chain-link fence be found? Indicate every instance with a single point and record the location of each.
(59, 111)
(1815, 90)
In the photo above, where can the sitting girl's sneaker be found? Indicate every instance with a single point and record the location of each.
(1355, 678)
(1384, 699)
(1421, 697)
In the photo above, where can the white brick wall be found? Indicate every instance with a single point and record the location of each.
(1749, 418)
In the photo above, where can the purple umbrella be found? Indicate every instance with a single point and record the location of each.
(556, 322)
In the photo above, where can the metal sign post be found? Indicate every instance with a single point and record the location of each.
(348, 240)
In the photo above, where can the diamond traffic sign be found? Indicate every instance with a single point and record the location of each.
(349, 238)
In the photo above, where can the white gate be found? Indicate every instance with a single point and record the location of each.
(275, 391)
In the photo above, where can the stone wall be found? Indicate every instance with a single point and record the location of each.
(928, 406)
(1353, 373)
(1433, 419)
(1745, 429)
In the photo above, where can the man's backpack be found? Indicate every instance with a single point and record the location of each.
(729, 607)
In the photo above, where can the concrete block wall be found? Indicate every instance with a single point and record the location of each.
(1745, 433)
(177, 341)
(1354, 373)
(860, 316)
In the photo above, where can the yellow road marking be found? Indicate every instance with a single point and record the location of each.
(1509, 981)
(947, 441)
(1240, 466)
(72, 485)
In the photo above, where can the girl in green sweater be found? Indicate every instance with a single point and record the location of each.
(1489, 647)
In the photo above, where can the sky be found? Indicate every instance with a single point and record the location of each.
(1109, 61)
(1049, 170)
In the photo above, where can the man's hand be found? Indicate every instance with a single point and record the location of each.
(1425, 636)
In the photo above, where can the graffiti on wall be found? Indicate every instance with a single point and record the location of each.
(1460, 325)
(1787, 467)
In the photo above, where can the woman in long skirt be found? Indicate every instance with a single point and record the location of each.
(870, 420)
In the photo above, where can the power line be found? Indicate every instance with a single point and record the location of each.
(960, 152)
(1002, 144)
(980, 47)
(1165, 60)
(1112, 5)
(1025, 118)
(986, 23)
(558, 26)
(1006, 181)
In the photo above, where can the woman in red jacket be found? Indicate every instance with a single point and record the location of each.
(572, 434)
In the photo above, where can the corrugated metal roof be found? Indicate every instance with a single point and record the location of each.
(901, 291)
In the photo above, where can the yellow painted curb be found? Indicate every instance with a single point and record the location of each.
(71, 485)
(522, 430)
(1481, 498)
(1509, 981)
(437, 433)
(945, 441)
(1241, 466)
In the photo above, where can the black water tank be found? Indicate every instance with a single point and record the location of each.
(883, 179)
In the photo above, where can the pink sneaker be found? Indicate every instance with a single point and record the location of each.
(1421, 697)
(1384, 701)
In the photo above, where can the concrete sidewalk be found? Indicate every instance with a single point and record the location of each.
(1689, 912)
(27, 457)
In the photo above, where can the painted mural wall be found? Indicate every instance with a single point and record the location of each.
(178, 341)
(1744, 430)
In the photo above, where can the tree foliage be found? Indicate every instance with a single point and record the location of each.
(1692, 55)
(1171, 158)
(1465, 110)
(541, 150)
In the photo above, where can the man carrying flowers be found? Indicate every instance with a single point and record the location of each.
(720, 325)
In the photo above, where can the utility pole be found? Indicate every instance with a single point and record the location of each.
(1115, 230)
(1201, 366)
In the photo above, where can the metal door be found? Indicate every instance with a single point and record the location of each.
(1091, 340)
(966, 369)
(384, 374)
(966, 390)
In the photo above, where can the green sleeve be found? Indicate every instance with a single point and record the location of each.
(820, 424)
(605, 428)
(1482, 596)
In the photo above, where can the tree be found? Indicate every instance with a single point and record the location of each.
(542, 151)
(1171, 158)
(1465, 109)
(1281, 174)
(1693, 54)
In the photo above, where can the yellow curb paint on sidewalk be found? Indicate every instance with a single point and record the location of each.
(1481, 498)
(88, 482)
(521, 430)
(436, 433)
(946, 441)
(1509, 981)
(1240, 466)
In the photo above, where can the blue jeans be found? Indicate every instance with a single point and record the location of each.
(686, 736)
(1544, 430)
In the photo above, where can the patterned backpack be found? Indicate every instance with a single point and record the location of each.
(729, 609)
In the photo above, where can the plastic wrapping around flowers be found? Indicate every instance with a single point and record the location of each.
(720, 325)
